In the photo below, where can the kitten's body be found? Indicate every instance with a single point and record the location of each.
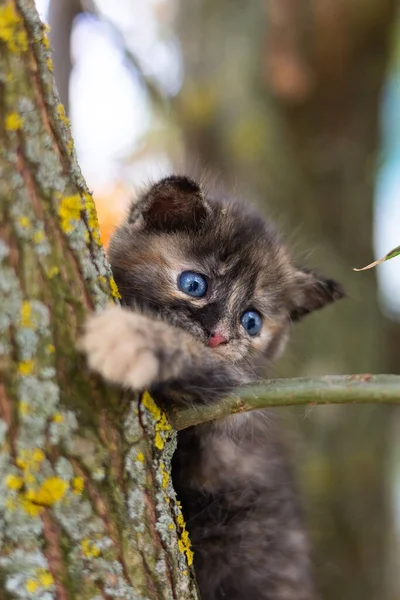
(231, 475)
(238, 500)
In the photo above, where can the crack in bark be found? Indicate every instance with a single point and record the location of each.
(53, 554)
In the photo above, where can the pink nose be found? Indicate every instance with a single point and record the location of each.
(216, 339)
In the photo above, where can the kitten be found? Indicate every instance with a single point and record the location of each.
(211, 292)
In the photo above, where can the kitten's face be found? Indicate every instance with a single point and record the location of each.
(215, 269)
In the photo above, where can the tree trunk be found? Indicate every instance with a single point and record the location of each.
(87, 508)
(282, 99)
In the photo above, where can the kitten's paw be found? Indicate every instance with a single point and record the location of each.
(117, 344)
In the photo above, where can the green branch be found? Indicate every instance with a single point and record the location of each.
(335, 389)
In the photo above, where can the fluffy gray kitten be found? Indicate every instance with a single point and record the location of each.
(210, 293)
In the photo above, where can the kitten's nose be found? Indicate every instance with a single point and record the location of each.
(216, 339)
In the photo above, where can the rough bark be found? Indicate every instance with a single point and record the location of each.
(87, 509)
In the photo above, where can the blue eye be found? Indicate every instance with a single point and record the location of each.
(192, 284)
(251, 321)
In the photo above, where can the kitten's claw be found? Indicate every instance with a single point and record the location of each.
(115, 342)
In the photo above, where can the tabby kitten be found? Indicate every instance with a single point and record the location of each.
(210, 294)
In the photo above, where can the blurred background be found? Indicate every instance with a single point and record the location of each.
(293, 105)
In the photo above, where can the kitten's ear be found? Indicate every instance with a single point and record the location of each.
(313, 292)
(172, 204)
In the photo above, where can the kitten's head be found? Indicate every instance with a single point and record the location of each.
(214, 268)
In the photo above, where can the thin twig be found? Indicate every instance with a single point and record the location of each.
(335, 389)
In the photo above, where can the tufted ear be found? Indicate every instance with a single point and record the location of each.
(174, 203)
(313, 292)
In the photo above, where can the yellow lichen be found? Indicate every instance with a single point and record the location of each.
(158, 441)
(21, 463)
(114, 289)
(52, 272)
(50, 66)
(11, 29)
(32, 585)
(24, 222)
(92, 217)
(184, 544)
(26, 314)
(140, 456)
(26, 367)
(14, 482)
(165, 475)
(50, 348)
(38, 455)
(45, 577)
(38, 237)
(151, 406)
(24, 409)
(161, 425)
(33, 510)
(70, 211)
(179, 519)
(13, 121)
(58, 418)
(78, 483)
(90, 549)
(62, 116)
(30, 459)
(50, 491)
(46, 41)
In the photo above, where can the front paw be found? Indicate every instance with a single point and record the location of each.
(118, 346)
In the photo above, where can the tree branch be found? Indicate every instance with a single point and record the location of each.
(332, 389)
